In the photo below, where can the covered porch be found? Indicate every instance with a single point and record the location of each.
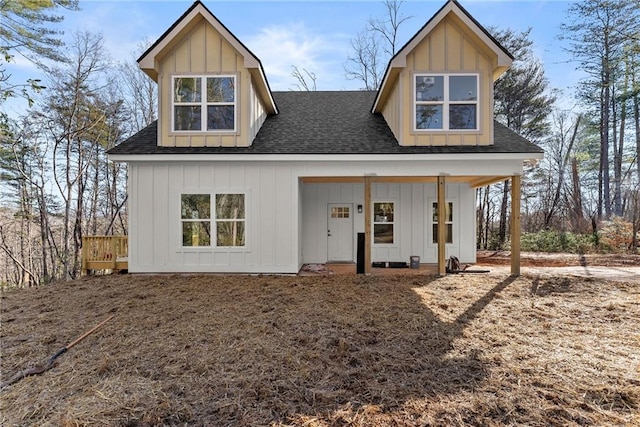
(440, 183)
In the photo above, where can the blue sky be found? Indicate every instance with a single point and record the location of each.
(309, 34)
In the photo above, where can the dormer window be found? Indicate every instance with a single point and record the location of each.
(446, 102)
(204, 103)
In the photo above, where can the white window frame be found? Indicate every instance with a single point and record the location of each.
(392, 223)
(445, 102)
(203, 104)
(217, 220)
(209, 220)
(213, 220)
(434, 236)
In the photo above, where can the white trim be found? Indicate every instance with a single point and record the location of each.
(400, 59)
(213, 221)
(203, 104)
(393, 223)
(382, 158)
(446, 102)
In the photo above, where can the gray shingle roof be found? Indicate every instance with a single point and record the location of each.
(325, 123)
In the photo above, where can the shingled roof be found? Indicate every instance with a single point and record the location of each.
(325, 123)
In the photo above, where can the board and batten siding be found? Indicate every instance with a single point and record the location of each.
(412, 220)
(450, 48)
(286, 219)
(204, 51)
(271, 217)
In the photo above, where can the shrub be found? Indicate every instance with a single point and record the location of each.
(615, 236)
(557, 241)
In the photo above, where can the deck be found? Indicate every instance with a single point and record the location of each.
(104, 253)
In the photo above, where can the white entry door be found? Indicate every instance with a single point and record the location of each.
(340, 232)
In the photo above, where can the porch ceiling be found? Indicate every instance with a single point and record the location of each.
(473, 181)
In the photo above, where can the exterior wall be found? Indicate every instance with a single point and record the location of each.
(449, 48)
(286, 219)
(205, 51)
(271, 217)
(314, 201)
(413, 235)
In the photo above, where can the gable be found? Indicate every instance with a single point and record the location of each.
(200, 49)
(451, 43)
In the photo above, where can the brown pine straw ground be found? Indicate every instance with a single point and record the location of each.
(469, 349)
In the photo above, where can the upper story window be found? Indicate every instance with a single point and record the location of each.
(204, 103)
(446, 101)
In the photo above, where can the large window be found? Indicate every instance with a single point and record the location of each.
(383, 223)
(448, 222)
(446, 102)
(228, 219)
(204, 103)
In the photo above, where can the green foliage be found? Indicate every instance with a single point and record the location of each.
(523, 100)
(557, 241)
(24, 31)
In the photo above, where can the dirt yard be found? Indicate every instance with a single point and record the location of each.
(468, 349)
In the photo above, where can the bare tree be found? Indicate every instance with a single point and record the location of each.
(597, 32)
(374, 46)
(301, 79)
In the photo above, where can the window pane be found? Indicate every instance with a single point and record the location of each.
(448, 212)
(187, 118)
(196, 233)
(448, 231)
(462, 116)
(428, 116)
(230, 206)
(230, 233)
(463, 88)
(220, 117)
(196, 206)
(383, 233)
(429, 88)
(220, 89)
(187, 89)
(383, 212)
(342, 212)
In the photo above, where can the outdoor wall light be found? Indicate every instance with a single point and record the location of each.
(359, 208)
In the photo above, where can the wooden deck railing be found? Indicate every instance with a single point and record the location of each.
(104, 253)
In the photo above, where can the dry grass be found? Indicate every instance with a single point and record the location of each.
(325, 351)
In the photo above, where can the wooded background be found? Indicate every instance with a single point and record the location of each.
(56, 183)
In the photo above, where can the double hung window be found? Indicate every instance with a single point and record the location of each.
(204, 103)
(227, 219)
(446, 101)
(383, 222)
(448, 222)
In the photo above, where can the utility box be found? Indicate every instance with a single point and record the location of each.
(415, 262)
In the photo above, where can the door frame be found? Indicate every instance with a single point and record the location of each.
(350, 234)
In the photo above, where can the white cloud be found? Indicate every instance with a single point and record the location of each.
(280, 47)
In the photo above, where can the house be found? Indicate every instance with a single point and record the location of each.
(234, 177)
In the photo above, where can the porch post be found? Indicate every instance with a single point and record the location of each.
(367, 225)
(442, 271)
(515, 225)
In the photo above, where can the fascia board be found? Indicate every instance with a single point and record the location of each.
(391, 158)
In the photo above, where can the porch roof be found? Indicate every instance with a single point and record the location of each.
(331, 122)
